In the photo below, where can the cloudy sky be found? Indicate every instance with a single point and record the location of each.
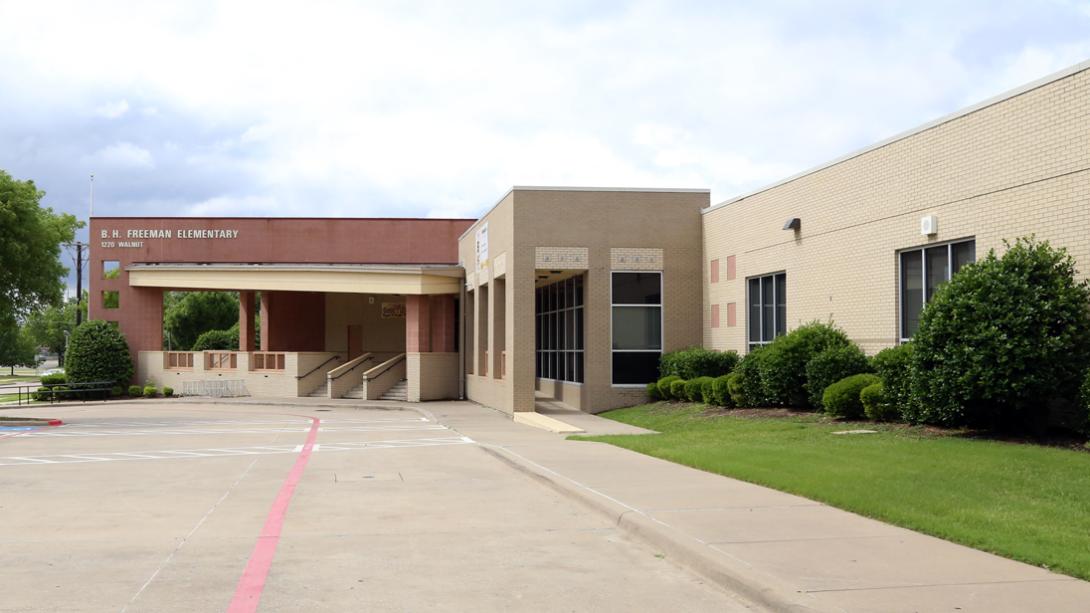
(435, 108)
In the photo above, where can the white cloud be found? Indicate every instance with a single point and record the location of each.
(113, 110)
(122, 155)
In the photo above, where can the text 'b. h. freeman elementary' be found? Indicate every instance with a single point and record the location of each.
(574, 293)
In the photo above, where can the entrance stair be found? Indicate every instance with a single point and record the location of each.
(398, 391)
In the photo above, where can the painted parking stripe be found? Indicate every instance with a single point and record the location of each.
(219, 452)
(54, 433)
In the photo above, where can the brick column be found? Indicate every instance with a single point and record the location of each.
(443, 325)
(266, 322)
(417, 324)
(245, 321)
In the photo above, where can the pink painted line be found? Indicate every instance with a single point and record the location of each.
(252, 583)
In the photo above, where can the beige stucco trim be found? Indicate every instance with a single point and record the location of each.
(296, 280)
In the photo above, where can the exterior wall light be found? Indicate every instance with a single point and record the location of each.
(793, 224)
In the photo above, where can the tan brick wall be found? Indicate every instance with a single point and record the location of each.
(633, 258)
(561, 258)
(1018, 167)
(431, 376)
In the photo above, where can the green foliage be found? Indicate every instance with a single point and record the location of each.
(54, 379)
(168, 391)
(842, 399)
(50, 326)
(706, 391)
(697, 362)
(747, 390)
(734, 388)
(783, 367)
(31, 272)
(186, 315)
(1004, 344)
(677, 390)
(217, 339)
(694, 389)
(1084, 403)
(98, 352)
(135, 391)
(16, 346)
(894, 365)
(830, 366)
(653, 391)
(875, 405)
(663, 386)
(151, 391)
(720, 392)
(115, 391)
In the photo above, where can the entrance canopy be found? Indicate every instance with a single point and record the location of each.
(406, 279)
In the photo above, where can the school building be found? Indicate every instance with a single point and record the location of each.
(572, 294)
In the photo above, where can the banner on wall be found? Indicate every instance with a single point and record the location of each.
(393, 310)
(482, 246)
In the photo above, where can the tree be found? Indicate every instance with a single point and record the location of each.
(31, 272)
(50, 327)
(187, 315)
(97, 351)
(16, 346)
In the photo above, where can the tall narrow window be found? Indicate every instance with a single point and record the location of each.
(637, 327)
(922, 272)
(560, 330)
(767, 308)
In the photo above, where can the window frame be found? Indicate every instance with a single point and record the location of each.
(547, 315)
(751, 344)
(901, 338)
(662, 323)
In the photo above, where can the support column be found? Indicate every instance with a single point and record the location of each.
(417, 324)
(246, 321)
(443, 325)
(266, 320)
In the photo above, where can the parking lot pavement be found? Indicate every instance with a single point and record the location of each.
(165, 506)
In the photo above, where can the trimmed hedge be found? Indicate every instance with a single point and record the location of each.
(97, 351)
(783, 366)
(720, 392)
(842, 399)
(151, 391)
(694, 389)
(135, 391)
(696, 362)
(168, 391)
(663, 386)
(57, 378)
(830, 366)
(747, 390)
(1084, 403)
(653, 392)
(1005, 344)
(734, 388)
(677, 390)
(217, 339)
(894, 366)
(874, 403)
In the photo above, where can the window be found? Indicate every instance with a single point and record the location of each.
(111, 269)
(637, 327)
(560, 330)
(767, 308)
(922, 271)
(111, 299)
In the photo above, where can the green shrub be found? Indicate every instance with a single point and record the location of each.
(694, 389)
(135, 391)
(830, 366)
(842, 399)
(696, 362)
(663, 386)
(1005, 343)
(748, 390)
(894, 366)
(720, 392)
(98, 352)
(652, 392)
(168, 391)
(707, 394)
(217, 339)
(783, 367)
(734, 388)
(151, 391)
(115, 391)
(58, 378)
(874, 403)
(677, 389)
(1084, 404)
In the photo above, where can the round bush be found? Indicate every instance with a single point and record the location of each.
(217, 339)
(734, 388)
(694, 389)
(98, 352)
(151, 391)
(830, 366)
(720, 392)
(1084, 404)
(663, 386)
(653, 392)
(135, 391)
(783, 367)
(696, 362)
(842, 399)
(707, 393)
(168, 391)
(54, 379)
(677, 390)
(1005, 343)
(748, 391)
(874, 403)
(893, 365)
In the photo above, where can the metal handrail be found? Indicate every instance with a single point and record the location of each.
(315, 369)
(387, 365)
(362, 359)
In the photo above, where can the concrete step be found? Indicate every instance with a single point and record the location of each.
(398, 391)
(320, 392)
(355, 392)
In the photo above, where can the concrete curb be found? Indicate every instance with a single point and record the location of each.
(729, 573)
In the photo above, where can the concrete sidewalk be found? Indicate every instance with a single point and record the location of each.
(783, 551)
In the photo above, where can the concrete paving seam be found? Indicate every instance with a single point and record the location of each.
(689, 552)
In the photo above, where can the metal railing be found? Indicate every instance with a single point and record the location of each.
(216, 388)
(318, 367)
(381, 369)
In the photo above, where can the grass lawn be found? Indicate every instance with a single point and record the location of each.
(1026, 502)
